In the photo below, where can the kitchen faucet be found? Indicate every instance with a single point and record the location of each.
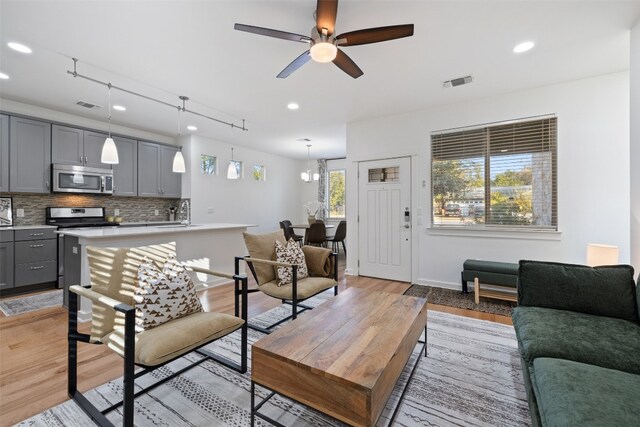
(183, 205)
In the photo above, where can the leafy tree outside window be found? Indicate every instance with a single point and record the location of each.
(259, 173)
(336, 194)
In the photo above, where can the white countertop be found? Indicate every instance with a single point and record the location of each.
(109, 232)
(26, 227)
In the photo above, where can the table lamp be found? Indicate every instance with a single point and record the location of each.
(601, 254)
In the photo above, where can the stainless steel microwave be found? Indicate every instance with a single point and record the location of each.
(80, 179)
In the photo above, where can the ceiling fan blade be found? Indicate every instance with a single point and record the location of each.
(297, 63)
(347, 65)
(272, 33)
(375, 35)
(326, 11)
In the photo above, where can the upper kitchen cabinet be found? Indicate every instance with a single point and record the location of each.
(79, 147)
(155, 171)
(170, 181)
(93, 143)
(29, 156)
(4, 153)
(125, 173)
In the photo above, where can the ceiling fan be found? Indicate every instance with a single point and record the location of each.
(324, 45)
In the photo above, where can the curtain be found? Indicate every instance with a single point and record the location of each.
(322, 188)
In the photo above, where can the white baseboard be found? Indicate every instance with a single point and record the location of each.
(349, 272)
(446, 285)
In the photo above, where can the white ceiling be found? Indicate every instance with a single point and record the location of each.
(168, 48)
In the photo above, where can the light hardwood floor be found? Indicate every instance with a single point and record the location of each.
(33, 358)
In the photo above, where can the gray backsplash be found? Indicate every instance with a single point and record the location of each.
(132, 209)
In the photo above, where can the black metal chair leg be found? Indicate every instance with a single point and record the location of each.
(129, 368)
(294, 290)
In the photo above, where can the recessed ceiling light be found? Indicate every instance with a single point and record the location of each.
(192, 128)
(19, 47)
(119, 108)
(523, 47)
(3, 76)
(293, 106)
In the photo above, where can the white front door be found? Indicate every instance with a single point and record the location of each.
(384, 209)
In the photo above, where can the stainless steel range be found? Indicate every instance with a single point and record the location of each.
(74, 218)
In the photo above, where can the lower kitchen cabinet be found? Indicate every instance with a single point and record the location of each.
(6, 260)
(28, 257)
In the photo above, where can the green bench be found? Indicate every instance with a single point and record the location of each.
(502, 278)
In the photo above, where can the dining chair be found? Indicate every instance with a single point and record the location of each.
(289, 233)
(338, 237)
(317, 234)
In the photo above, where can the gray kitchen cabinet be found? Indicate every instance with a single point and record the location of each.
(67, 145)
(125, 173)
(71, 146)
(148, 169)
(36, 259)
(4, 153)
(170, 182)
(6, 260)
(93, 142)
(29, 156)
(155, 171)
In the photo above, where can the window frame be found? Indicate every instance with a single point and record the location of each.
(482, 144)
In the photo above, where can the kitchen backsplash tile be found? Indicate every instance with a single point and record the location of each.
(132, 209)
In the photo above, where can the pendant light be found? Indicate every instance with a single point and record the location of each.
(109, 150)
(306, 175)
(232, 171)
(178, 159)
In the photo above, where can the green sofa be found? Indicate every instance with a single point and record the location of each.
(578, 331)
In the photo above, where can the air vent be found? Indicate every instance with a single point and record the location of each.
(458, 82)
(87, 104)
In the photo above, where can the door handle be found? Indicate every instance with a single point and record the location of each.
(37, 268)
(36, 246)
(407, 226)
(86, 160)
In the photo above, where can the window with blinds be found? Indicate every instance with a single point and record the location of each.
(501, 175)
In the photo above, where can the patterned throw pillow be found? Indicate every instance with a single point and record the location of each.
(163, 294)
(291, 253)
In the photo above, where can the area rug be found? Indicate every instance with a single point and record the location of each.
(20, 305)
(471, 377)
(453, 298)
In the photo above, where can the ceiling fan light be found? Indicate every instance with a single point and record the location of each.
(324, 52)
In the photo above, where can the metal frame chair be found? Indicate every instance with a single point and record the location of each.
(130, 375)
(294, 301)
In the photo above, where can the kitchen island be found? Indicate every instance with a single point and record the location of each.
(211, 246)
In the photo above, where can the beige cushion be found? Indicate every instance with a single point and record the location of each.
(319, 261)
(306, 288)
(290, 253)
(114, 273)
(163, 294)
(263, 246)
(173, 339)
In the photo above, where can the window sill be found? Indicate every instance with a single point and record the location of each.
(502, 233)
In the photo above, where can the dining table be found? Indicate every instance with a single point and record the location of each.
(306, 229)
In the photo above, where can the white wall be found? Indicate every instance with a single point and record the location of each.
(635, 147)
(245, 200)
(593, 174)
(46, 114)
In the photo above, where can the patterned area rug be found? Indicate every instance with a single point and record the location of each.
(471, 377)
(453, 298)
(13, 306)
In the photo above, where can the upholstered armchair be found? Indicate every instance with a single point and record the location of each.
(321, 264)
(114, 284)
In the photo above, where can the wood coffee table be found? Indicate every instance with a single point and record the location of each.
(344, 357)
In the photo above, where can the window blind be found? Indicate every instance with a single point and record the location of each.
(497, 175)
